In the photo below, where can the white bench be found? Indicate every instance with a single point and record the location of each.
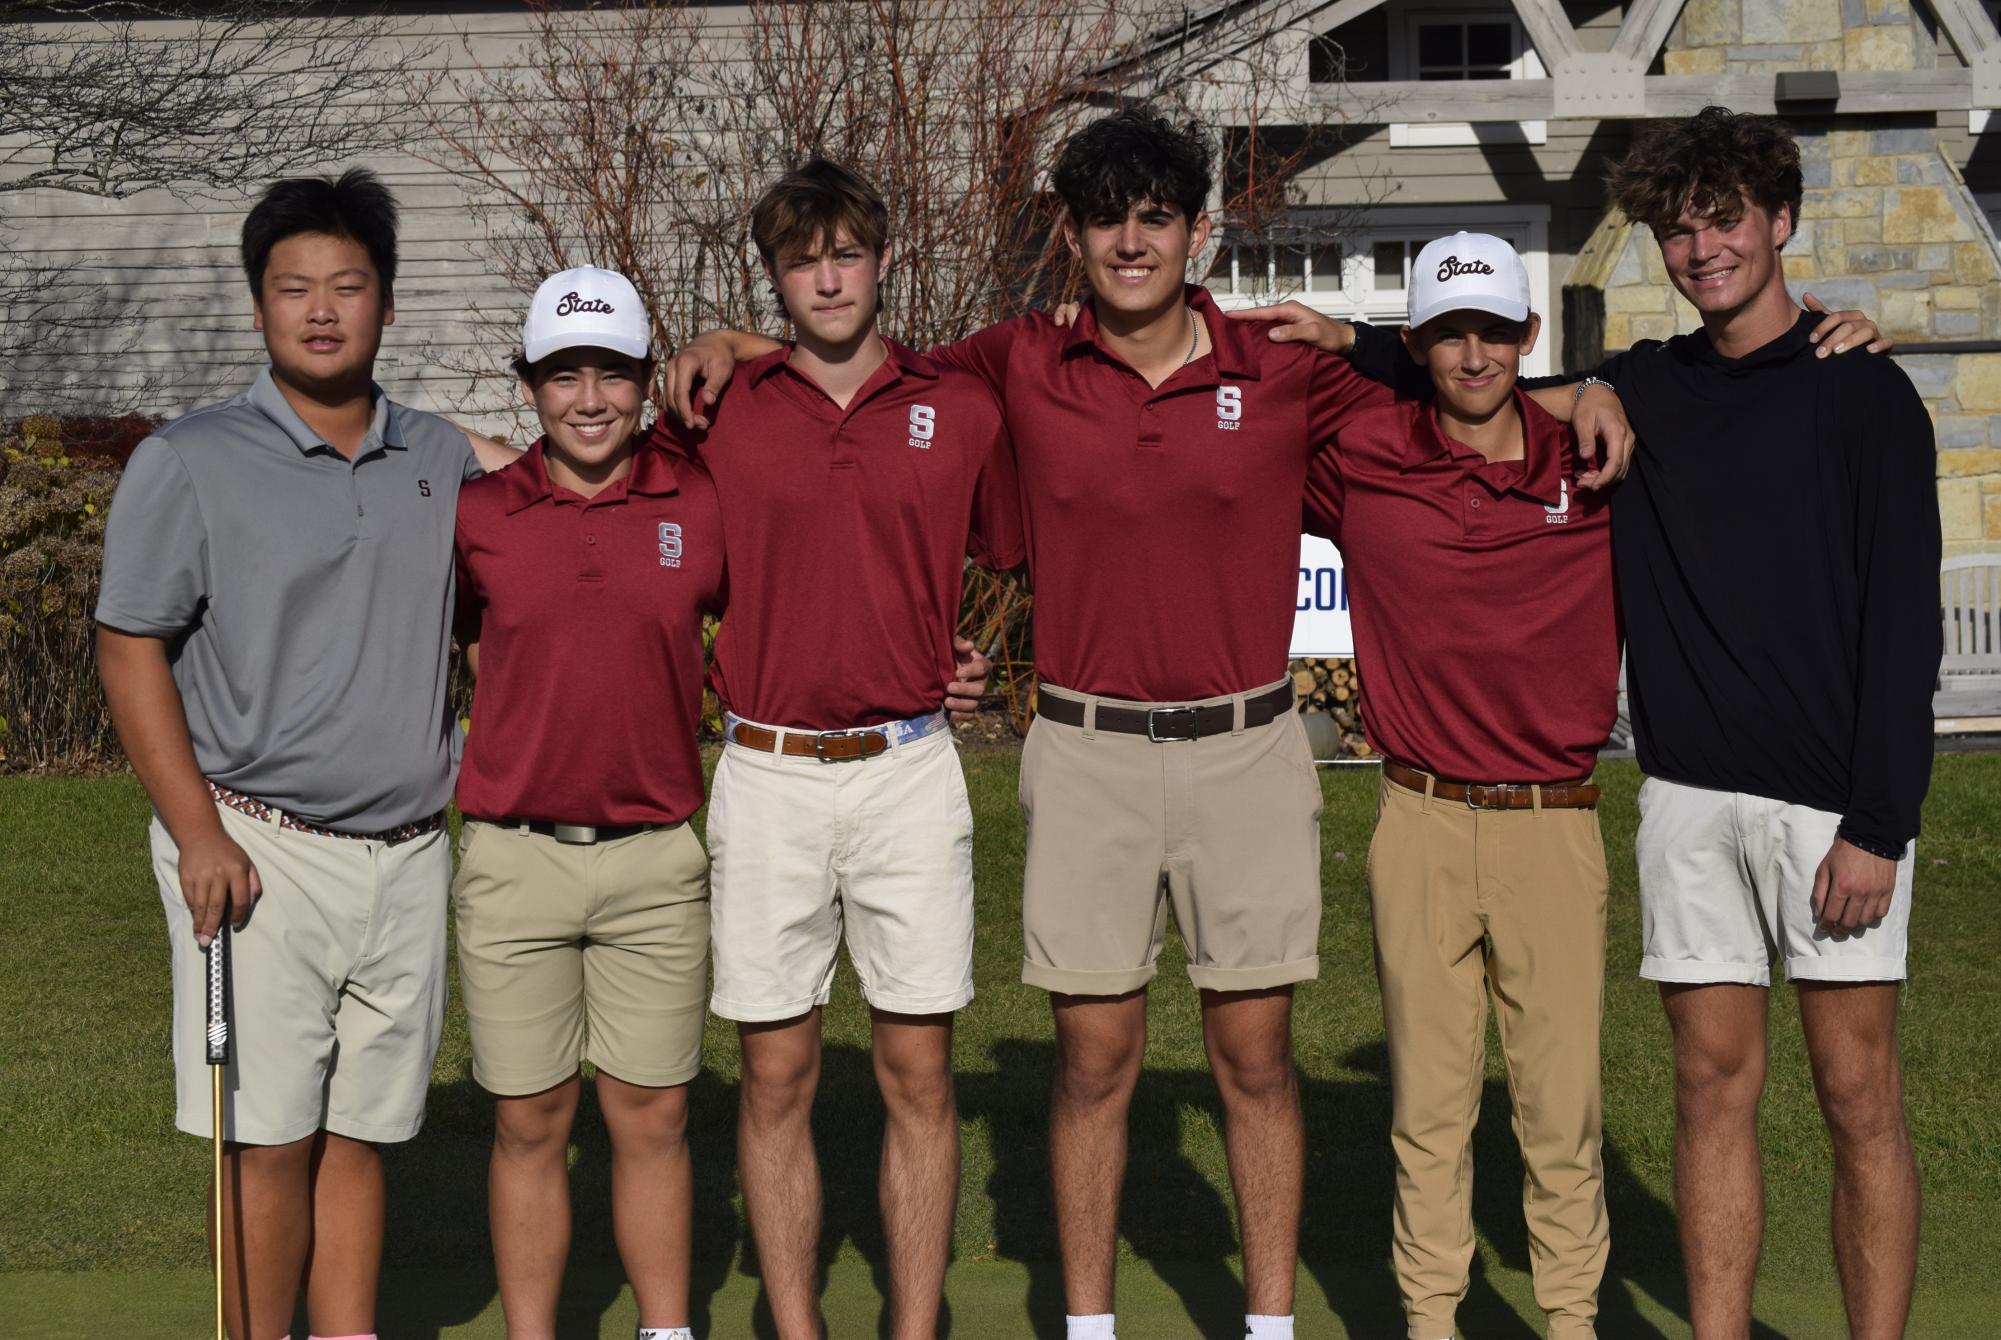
(1968, 700)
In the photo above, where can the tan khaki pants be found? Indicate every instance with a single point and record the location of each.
(1469, 903)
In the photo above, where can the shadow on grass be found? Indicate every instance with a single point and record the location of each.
(437, 1257)
(439, 1273)
(1180, 1223)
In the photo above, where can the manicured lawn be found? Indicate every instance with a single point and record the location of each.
(100, 1226)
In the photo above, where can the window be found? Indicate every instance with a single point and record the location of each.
(1459, 42)
(1364, 274)
(1463, 48)
(1249, 269)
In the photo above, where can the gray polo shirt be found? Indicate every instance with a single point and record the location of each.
(306, 601)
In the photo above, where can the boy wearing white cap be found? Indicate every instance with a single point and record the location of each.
(1481, 582)
(582, 895)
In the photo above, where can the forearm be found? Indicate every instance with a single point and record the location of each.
(152, 727)
(743, 345)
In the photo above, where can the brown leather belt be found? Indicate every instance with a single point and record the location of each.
(829, 746)
(1171, 723)
(1578, 795)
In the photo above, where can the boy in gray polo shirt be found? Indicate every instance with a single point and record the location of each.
(273, 631)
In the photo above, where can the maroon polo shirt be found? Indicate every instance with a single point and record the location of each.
(1163, 522)
(1482, 596)
(588, 615)
(849, 531)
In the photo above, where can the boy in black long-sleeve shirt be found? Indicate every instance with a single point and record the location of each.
(1777, 549)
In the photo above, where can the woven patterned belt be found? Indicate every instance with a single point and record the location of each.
(263, 813)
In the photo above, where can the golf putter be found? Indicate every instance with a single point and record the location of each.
(218, 1062)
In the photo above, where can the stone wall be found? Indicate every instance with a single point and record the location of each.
(1887, 226)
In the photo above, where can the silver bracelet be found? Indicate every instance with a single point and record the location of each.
(1586, 385)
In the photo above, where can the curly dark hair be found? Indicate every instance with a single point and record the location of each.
(355, 205)
(1709, 164)
(1132, 157)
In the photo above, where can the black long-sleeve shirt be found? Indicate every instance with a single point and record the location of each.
(1777, 549)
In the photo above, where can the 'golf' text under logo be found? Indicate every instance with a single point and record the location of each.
(1559, 515)
(670, 544)
(1229, 408)
(572, 303)
(923, 423)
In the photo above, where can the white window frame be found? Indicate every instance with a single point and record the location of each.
(1403, 66)
(1525, 227)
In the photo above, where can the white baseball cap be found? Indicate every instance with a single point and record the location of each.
(1468, 272)
(589, 307)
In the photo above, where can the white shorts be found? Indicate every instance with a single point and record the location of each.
(337, 986)
(799, 848)
(1726, 888)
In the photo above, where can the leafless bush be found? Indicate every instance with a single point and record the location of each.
(52, 509)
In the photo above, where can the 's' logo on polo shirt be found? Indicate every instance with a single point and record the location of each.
(1229, 408)
(923, 423)
(670, 544)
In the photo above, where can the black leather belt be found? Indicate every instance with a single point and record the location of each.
(581, 835)
(1171, 723)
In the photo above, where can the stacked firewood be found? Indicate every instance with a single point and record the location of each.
(1329, 686)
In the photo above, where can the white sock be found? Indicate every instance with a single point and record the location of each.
(1268, 1328)
(1097, 1326)
(666, 1333)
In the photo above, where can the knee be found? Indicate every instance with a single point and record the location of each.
(1090, 1076)
(916, 1093)
(1260, 1076)
(655, 1119)
(1718, 1081)
(1862, 1101)
(529, 1128)
(778, 1088)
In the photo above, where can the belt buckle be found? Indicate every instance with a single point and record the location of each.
(820, 746)
(1153, 732)
(1505, 789)
(577, 835)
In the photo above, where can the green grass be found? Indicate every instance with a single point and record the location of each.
(100, 1230)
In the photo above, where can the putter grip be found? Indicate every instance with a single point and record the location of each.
(218, 997)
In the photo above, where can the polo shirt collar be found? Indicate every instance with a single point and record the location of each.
(1539, 474)
(1233, 344)
(268, 400)
(527, 480)
(902, 361)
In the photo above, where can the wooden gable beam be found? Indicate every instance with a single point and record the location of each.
(1549, 31)
(1973, 36)
(1645, 30)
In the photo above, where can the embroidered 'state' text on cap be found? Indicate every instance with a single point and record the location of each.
(1468, 272)
(585, 307)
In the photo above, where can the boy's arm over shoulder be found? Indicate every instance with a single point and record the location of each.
(996, 538)
(987, 353)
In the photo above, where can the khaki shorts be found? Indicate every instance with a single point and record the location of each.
(337, 982)
(1726, 890)
(574, 952)
(878, 851)
(1227, 828)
